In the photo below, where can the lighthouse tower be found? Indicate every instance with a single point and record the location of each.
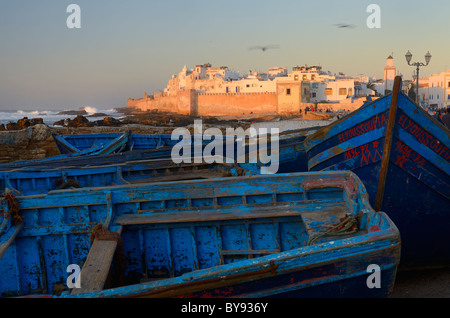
(389, 74)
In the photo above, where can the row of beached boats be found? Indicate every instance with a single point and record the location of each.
(114, 216)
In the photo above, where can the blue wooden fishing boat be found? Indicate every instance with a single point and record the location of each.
(80, 142)
(71, 160)
(311, 235)
(289, 153)
(114, 157)
(40, 181)
(102, 149)
(402, 156)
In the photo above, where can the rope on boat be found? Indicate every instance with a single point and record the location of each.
(13, 208)
(347, 225)
(117, 273)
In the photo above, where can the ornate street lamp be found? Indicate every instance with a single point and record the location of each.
(418, 65)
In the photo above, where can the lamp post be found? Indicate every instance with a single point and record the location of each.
(418, 65)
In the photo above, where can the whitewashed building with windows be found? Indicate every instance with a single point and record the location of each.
(325, 86)
(434, 90)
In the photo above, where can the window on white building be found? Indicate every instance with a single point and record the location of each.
(342, 91)
(328, 91)
(288, 91)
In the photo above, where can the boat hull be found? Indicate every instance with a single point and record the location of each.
(416, 193)
(41, 181)
(81, 142)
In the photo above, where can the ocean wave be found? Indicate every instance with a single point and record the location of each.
(90, 110)
(49, 116)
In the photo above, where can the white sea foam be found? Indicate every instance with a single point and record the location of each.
(50, 116)
(90, 110)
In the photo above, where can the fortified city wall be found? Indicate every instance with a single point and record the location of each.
(190, 102)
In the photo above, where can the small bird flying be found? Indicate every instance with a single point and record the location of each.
(264, 48)
(345, 25)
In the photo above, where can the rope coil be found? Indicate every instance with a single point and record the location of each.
(347, 225)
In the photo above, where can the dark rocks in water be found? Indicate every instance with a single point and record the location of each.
(79, 121)
(73, 112)
(12, 126)
(109, 121)
(98, 115)
(36, 121)
(128, 110)
(22, 124)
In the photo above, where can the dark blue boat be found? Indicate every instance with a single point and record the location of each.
(402, 156)
(120, 155)
(289, 153)
(90, 160)
(110, 147)
(80, 142)
(40, 181)
(310, 235)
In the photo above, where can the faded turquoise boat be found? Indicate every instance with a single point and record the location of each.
(81, 142)
(43, 180)
(289, 235)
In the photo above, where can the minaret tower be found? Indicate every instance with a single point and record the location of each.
(389, 74)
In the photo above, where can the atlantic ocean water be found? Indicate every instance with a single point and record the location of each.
(51, 116)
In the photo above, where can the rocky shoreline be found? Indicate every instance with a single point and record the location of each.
(155, 118)
(31, 139)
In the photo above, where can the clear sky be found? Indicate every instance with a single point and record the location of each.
(126, 48)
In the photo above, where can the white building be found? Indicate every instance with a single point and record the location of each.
(325, 86)
(434, 90)
(277, 72)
